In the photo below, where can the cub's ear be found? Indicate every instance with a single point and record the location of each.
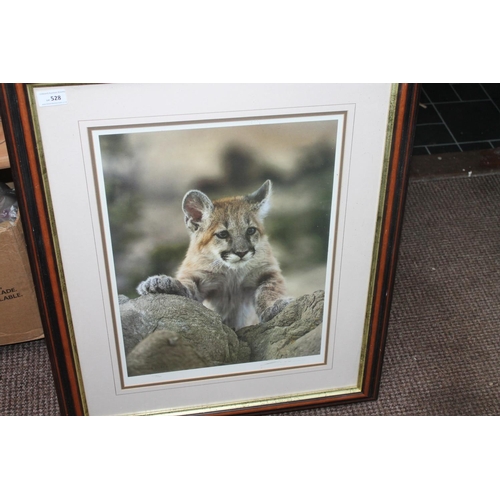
(197, 208)
(262, 198)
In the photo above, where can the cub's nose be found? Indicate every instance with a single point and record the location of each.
(241, 254)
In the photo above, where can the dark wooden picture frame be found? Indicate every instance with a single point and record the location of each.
(41, 238)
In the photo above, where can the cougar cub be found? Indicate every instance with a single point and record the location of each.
(229, 265)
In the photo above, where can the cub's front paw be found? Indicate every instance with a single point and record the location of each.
(162, 284)
(274, 310)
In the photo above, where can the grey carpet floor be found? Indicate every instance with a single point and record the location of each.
(443, 346)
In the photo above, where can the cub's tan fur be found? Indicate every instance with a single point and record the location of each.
(229, 265)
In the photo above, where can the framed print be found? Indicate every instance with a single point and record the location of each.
(211, 248)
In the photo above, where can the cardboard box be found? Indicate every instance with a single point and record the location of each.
(4, 157)
(19, 315)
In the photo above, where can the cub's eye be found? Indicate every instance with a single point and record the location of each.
(251, 230)
(223, 235)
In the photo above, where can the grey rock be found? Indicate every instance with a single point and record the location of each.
(165, 333)
(296, 331)
(163, 351)
(158, 321)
